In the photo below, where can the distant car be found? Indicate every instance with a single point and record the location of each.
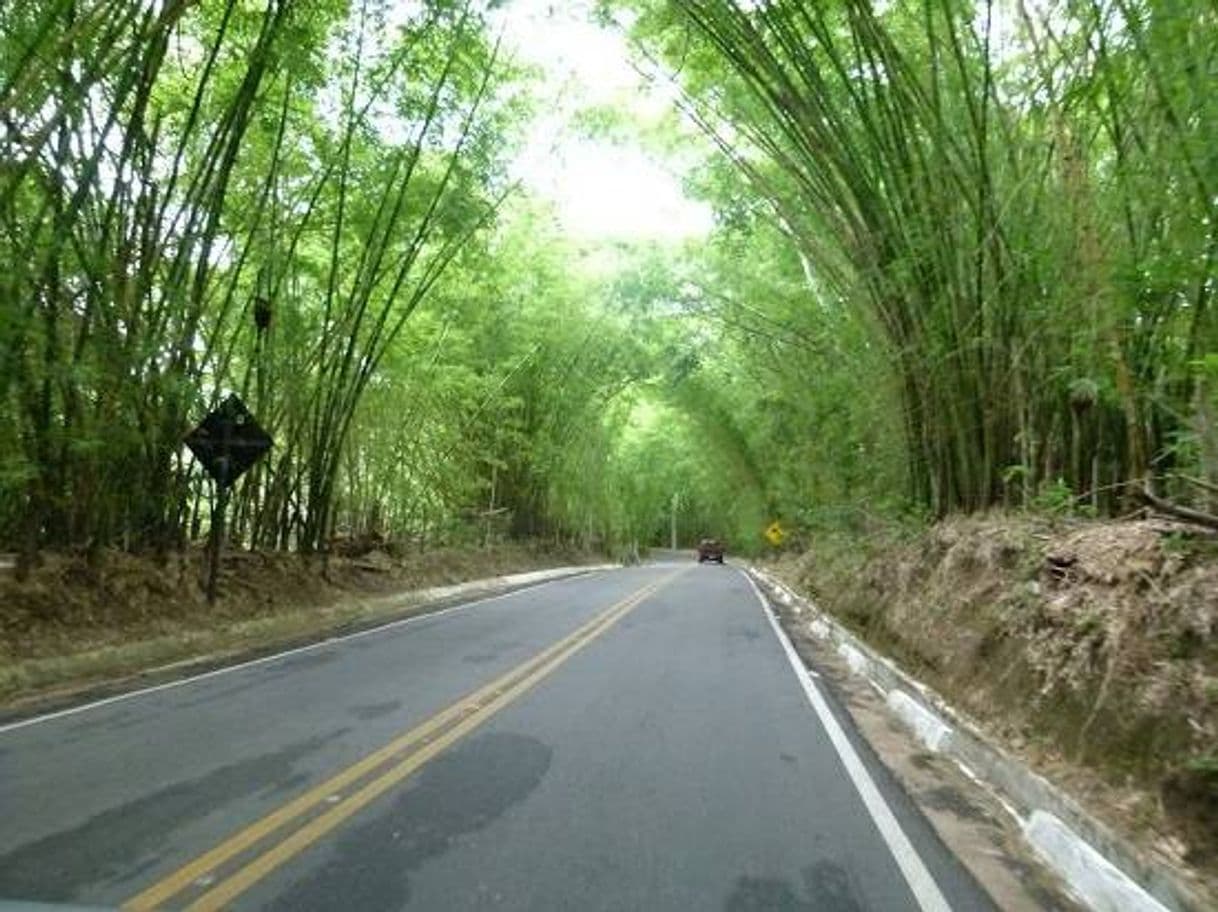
(710, 549)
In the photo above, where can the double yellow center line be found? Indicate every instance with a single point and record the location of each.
(217, 877)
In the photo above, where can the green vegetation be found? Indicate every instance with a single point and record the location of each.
(964, 256)
(1016, 198)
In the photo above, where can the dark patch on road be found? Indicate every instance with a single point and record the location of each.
(375, 710)
(765, 894)
(120, 843)
(102, 724)
(827, 888)
(305, 660)
(219, 693)
(752, 634)
(495, 652)
(830, 887)
(1048, 897)
(370, 642)
(258, 675)
(1042, 886)
(788, 758)
(114, 719)
(479, 658)
(290, 784)
(923, 760)
(458, 793)
(946, 798)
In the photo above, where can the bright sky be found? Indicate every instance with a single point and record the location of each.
(601, 189)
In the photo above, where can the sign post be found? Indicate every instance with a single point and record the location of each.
(215, 543)
(226, 443)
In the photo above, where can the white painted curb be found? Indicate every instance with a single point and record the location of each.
(1099, 883)
(1096, 880)
(930, 729)
(856, 660)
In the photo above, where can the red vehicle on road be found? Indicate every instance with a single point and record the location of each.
(710, 549)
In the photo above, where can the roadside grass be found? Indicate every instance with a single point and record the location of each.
(46, 676)
(1090, 648)
(65, 632)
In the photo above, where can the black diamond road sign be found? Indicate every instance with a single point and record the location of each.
(228, 441)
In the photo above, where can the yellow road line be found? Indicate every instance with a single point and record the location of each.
(467, 714)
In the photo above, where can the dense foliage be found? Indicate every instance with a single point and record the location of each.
(1017, 199)
(964, 256)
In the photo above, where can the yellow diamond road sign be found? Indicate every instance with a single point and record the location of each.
(774, 534)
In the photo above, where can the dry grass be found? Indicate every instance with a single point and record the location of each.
(1089, 647)
(71, 625)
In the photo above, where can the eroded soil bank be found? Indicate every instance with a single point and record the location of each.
(73, 623)
(1089, 648)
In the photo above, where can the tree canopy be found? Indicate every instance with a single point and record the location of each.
(963, 256)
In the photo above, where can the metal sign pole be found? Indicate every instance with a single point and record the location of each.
(217, 541)
(218, 511)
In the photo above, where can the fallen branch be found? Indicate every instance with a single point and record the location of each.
(1199, 517)
(1204, 485)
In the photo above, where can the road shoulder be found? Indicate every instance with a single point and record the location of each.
(145, 668)
(971, 821)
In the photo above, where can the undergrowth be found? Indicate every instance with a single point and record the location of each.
(1088, 646)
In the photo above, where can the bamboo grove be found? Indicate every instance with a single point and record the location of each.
(169, 170)
(963, 256)
(1018, 198)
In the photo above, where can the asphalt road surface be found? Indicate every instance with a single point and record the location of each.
(629, 739)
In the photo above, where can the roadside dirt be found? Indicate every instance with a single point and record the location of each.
(1090, 649)
(972, 823)
(72, 625)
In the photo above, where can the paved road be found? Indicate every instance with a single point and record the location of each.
(632, 739)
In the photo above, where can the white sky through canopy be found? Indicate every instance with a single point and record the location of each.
(601, 189)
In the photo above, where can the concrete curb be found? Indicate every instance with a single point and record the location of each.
(1102, 869)
(930, 729)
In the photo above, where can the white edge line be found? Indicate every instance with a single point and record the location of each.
(262, 660)
(921, 883)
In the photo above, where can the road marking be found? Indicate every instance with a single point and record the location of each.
(262, 660)
(424, 742)
(921, 883)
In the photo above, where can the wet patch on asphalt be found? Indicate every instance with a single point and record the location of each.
(479, 658)
(827, 885)
(103, 720)
(946, 798)
(1033, 879)
(370, 711)
(81, 730)
(256, 676)
(219, 693)
(303, 660)
(922, 760)
(370, 863)
(119, 844)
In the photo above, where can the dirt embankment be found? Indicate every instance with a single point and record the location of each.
(73, 623)
(1091, 648)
